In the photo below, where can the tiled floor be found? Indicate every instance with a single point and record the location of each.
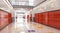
(29, 28)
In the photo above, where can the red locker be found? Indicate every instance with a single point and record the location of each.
(9, 18)
(51, 18)
(54, 19)
(29, 17)
(42, 17)
(5, 18)
(36, 17)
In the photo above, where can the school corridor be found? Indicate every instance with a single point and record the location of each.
(29, 16)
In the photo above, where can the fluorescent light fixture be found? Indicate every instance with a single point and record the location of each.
(31, 2)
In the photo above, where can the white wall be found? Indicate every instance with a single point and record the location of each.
(36, 2)
(47, 6)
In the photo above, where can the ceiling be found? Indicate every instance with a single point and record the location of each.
(25, 3)
(2, 4)
(5, 5)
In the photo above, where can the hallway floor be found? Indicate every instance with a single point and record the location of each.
(29, 28)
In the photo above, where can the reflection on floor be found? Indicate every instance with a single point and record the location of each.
(31, 27)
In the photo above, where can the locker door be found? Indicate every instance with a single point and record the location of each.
(37, 17)
(54, 19)
(42, 18)
(4, 20)
(9, 18)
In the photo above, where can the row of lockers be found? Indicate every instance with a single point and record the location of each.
(51, 18)
(29, 17)
(5, 18)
